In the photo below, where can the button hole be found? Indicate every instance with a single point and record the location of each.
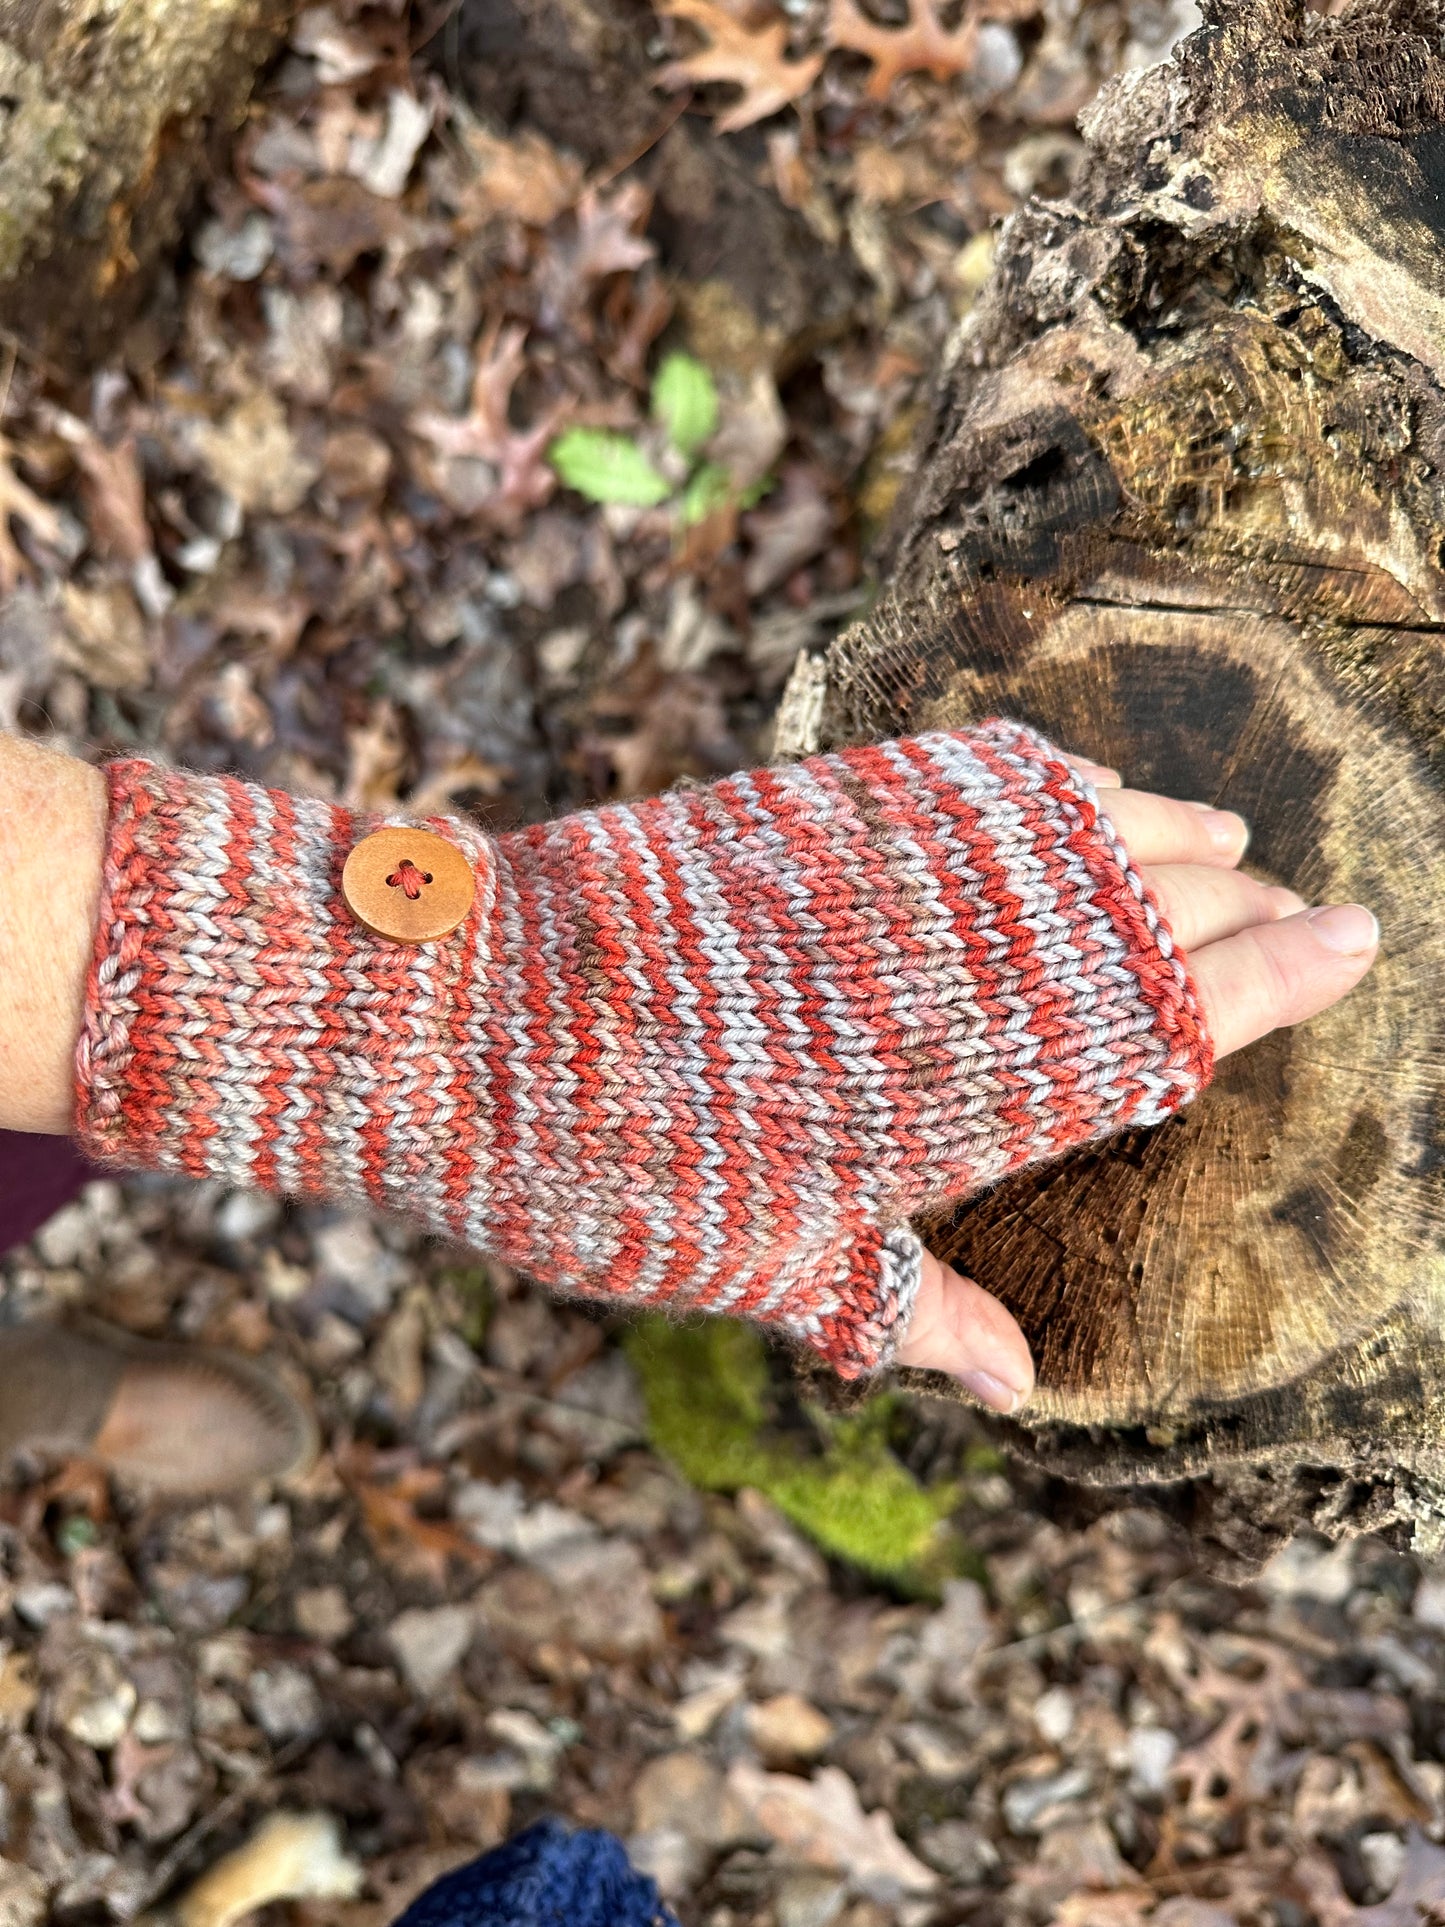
(407, 877)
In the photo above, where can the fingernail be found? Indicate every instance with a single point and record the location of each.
(991, 1391)
(1347, 928)
(1226, 830)
(1288, 903)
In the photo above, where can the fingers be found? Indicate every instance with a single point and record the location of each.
(1279, 969)
(959, 1329)
(1260, 960)
(1202, 903)
(1280, 973)
(1099, 774)
(1158, 829)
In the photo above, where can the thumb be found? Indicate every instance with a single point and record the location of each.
(959, 1328)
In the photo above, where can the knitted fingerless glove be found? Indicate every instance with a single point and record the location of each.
(707, 1052)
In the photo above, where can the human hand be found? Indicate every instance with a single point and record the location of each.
(1260, 958)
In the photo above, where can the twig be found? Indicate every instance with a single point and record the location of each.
(218, 1816)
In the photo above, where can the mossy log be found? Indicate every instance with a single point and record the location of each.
(107, 109)
(1182, 505)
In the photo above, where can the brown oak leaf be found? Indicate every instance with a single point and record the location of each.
(523, 175)
(25, 506)
(925, 45)
(391, 1492)
(1418, 1898)
(754, 59)
(604, 239)
(517, 478)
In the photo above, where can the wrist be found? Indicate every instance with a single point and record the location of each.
(52, 844)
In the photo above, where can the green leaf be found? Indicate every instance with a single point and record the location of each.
(607, 467)
(75, 1534)
(711, 488)
(684, 400)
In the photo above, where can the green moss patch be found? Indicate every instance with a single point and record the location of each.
(712, 1411)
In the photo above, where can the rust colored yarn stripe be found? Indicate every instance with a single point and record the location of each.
(707, 1052)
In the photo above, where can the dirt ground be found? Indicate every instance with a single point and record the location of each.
(311, 524)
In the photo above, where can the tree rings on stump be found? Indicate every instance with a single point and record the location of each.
(1182, 506)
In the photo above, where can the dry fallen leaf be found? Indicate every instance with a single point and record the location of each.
(241, 714)
(403, 1538)
(290, 1856)
(376, 754)
(19, 1693)
(886, 176)
(605, 239)
(22, 1894)
(436, 794)
(524, 176)
(243, 606)
(925, 45)
(822, 1823)
(1238, 1761)
(104, 636)
(328, 223)
(652, 726)
(112, 487)
(255, 458)
(1418, 1898)
(520, 480)
(792, 526)
(754, 59)
(754, 429)
(1128, 1907)
(27, 507)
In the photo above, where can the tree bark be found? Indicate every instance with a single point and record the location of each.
(107, 110)
(1182, 505)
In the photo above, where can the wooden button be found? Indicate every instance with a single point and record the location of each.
(409, 885)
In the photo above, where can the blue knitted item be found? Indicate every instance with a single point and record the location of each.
(545, 1877)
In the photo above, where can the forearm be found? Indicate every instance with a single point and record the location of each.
(52, 841)
(710, 1051)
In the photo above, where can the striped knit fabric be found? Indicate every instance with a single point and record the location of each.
(708, 1052)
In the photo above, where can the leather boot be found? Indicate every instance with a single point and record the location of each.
(180, 1419)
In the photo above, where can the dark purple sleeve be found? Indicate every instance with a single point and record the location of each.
(37, 1176)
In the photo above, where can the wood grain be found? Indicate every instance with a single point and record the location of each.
(1180, 504)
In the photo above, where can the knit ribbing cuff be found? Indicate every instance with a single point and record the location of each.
(709, 1052)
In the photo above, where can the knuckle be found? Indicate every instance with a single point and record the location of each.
(1172, 903)
(1284, 902)
(1280, 974)
(1189, 828)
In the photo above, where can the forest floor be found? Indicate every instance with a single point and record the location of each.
(311, 525)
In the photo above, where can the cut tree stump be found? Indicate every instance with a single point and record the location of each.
(1182, 505)
(107, 110)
